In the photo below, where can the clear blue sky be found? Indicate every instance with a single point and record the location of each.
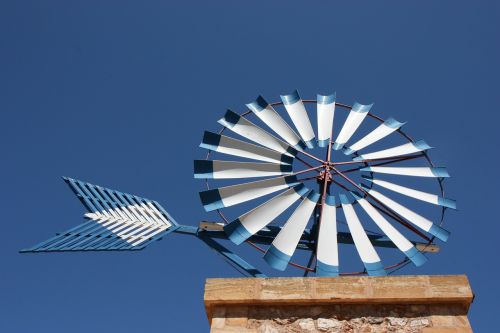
(118, 93)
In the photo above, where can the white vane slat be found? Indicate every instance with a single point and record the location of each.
(405, 149)
(387, 127)
(204, 169)
(115, 217)
(418, 220)
(253, 221)
(226, 145)
(236, 194)
(365, 249)
(403, 244)
(271, 118)
(281, 250)
(297, 112)
(97, 233)
(437, 172)
(327, 263)
(412, 193)
(354, 119)
(326, 112)
(252, 132)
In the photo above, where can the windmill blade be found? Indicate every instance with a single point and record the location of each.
(436, 172)
(271, 118)
(365, 249)
(236, 194)
(226, 145)
(327, 263)
(326, 111)
(354, 119)
(405, 149)
(297, 112)
(387, 127)
(252, 132)
(118, 221)
(403, 244)
(281, 250)
(253, 221)
(204, 169)
(419, 195)
(418, 220)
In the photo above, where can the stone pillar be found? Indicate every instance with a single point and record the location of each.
(428, 304)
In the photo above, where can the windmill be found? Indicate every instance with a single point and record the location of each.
(291, 188)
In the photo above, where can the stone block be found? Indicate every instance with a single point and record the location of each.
(343, 304)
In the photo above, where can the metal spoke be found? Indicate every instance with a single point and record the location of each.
(304, 162)
(305, 171)
(390, 160)
(311, 156)
(383, 163)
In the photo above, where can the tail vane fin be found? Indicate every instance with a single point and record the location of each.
(117, 221)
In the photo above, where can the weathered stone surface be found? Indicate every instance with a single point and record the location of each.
(326, 325)
(346, 304)
(306, 324)
(267, 328)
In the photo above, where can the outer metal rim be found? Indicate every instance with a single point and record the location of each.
(391, 268)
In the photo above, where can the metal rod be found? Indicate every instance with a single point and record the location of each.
(304, 171)
(383, 163)
(311, 156)
(306, 163)
(391, 160)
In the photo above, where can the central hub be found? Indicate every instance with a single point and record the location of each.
(325, 174)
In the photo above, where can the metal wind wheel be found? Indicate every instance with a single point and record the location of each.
(298, 179)
(308, 184)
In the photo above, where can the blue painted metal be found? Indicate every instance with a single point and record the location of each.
(375, 268)
(326, 99)
(236, 232)
(277, 259)
(258, 105)
(290, 98)
(323, 269)
(439, 232)
(234, 259)
(440, 172)
(393, 123)
(416, 256)
(361, 108)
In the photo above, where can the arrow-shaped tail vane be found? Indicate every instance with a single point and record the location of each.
(117, 221)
